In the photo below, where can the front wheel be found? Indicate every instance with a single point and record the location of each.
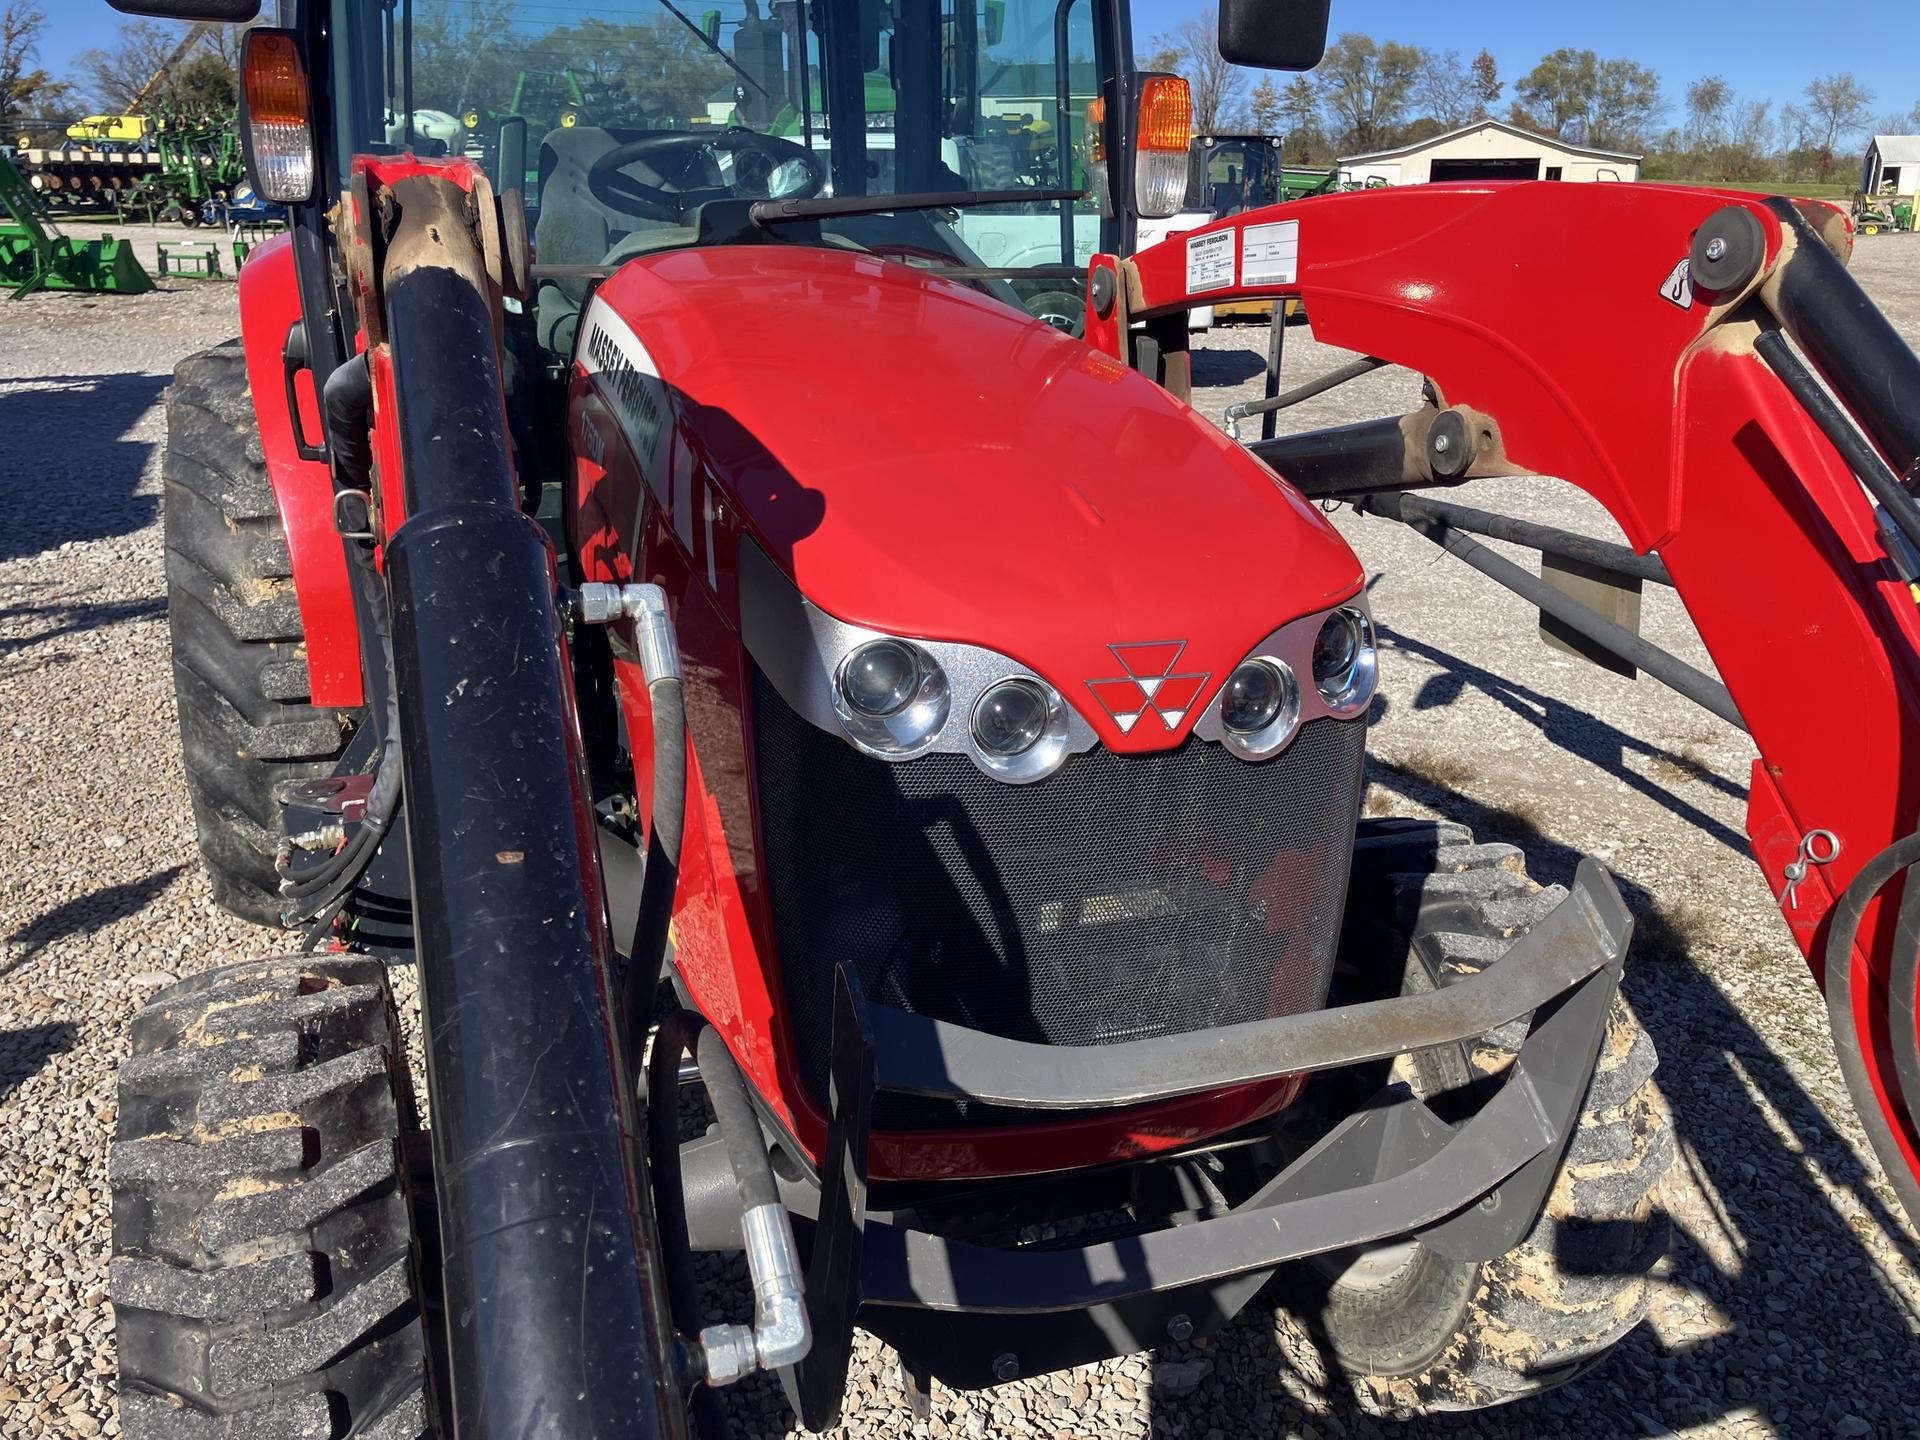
(265, 1279)
(1410, 1329)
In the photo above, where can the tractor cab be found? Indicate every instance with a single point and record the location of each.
(642, 127)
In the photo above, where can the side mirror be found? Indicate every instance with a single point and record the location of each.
(1274, 34)
(220, 12)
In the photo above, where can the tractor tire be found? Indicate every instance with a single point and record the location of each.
(264, 1276)
(1408, 1329)
(239, 657)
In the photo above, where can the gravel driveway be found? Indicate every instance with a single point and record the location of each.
(1789, 1305)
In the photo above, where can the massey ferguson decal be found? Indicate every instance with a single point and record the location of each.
(1149, 683)
(629, 380)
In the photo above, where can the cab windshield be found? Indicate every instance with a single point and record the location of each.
(627, 125)
(1229, 174)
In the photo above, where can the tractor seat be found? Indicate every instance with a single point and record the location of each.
(577, 228)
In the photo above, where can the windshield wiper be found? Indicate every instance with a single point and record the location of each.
(701, 36)
(778, 212)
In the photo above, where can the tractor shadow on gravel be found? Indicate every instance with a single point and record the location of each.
(68, 471)
(24, 626)
(25, 1050)
(1576, 731)
(83, 915)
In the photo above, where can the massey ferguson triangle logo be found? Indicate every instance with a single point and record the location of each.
(1149, 684)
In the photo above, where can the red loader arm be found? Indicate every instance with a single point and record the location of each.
(1565, 320)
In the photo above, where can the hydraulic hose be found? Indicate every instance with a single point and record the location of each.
(1843, 927)
(662, 877)
(659, 652)
(739, 1123)
(678, 1033)
(347, 398)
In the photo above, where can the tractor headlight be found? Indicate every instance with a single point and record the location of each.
(891, 696)
(1260, 706)
(1020, 729)
(1344, 662)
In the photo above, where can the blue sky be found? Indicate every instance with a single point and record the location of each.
(1767, 49)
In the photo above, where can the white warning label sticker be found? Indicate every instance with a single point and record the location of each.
(1677, 288)
(1270, 254)
(1210, 262)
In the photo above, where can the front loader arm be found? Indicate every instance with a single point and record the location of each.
(1594, 333)
(550, 1259)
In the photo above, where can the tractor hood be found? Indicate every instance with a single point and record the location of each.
(922, 459)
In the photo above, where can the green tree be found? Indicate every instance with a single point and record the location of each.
(1304, 138)
(1367, 88)
(26, 90)
(1577, 96)
(1556, 96)
(1264, 107)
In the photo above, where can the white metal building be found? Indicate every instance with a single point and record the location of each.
(1892, 168)
(1487, 150)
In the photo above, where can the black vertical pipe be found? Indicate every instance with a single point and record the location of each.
(1276, 355)
(556, 1316)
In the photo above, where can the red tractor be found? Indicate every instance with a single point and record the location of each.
(958, 776)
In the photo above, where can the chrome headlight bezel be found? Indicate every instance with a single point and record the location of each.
(1290, 648)
(802, 650)
(1354, 689)
(1274, 736)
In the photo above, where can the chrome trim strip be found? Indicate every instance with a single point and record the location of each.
(800, 648)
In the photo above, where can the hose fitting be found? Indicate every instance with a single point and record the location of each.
(646, 605)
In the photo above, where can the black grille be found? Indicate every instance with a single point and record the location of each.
(1124, 896)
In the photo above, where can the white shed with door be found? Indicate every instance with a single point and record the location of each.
(1892, 170)
(1487, 150)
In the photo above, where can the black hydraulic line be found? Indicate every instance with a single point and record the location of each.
(739, 1122)
(1669, 670)
(676, 1035)
(1848, 339)
(1545, 538)
(1843, 927)
(1276, 353)
(550, 1261)
(1838, 426)
(661, 878)
(1352, 370)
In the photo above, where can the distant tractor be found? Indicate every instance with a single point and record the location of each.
(1230, 174)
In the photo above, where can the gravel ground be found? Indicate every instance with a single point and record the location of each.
(1789, 1305)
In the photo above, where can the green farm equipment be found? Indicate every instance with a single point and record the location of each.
(34, 255)
(1875, 217)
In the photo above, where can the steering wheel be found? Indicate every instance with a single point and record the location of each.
(756, 159)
